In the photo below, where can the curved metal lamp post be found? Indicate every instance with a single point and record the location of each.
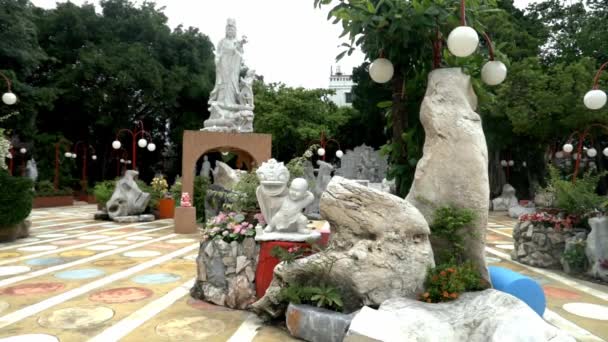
(142, 142)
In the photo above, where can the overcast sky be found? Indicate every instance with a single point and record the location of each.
(289, 40)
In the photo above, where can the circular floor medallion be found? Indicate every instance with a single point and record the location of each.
(180, 241)
(202, 305)
(156, 278)
(3, 306)
(121, 295)
(11, 270)
(8, 255)
(30, 338)
(162, 245)
(66, 242)
(556, 292)
(41, 248)
(593, 311)
(33, 289)
(190, 328)
(54, 235)
(115, 262)
(29, 240)
(141, 254)
(92, 237)
(80, 274)
(119, 242)
(139, 238)
(46, 261)
(508, 247)
(112, 233)
(76, 318)
(77, 253)
(101, 247)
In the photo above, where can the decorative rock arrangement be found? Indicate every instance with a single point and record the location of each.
(310, 323)
(380, 245)
(506, 200)
(597, 248)
(226, 273)
(485, 316)
(537, 245)
(128, 202)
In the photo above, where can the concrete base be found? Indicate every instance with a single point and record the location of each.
(185, 220)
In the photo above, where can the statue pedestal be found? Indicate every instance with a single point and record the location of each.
(185, 220)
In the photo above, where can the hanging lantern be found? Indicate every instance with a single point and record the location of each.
(94, 157)
(605, 152)
(381, 70)
(23, 150)
(592, 152)
(463, 41)
(321, 152)
(511, 163)
(9, 98)
(151, 147)
(568, 148)
(504, 163)
(339, 154)
(493, 73)
(524, 164)
(116, 144)
(142, 143)
(122, 160)
(595, 99)
(68, 155)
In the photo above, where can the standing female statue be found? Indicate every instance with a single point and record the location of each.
(228, 59)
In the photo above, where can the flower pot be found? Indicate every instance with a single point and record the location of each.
(14, 232)
(166, 208)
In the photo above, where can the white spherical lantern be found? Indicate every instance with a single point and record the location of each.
(381, 70)
(128, 162)
(142, 143)
(568, 148)
(321, 152)
(592, 152)
(463, 41)
(94, 157)
(151, 147)
(524, 164)
(122, 160)
(559, 154)
(116, 144)
(339, 154)
(23, 150)
(493, 73)
(504, 163)
(74, 155)
(595, 99)
(68, 155)
(605, 152)
(9, 98)
(511, 163)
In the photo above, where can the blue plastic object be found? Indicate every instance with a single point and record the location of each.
(520, 286)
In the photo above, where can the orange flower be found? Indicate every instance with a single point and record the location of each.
(454, 295)
(451, 270)
(425, 295)
(442, 273)
(446, 294)
(435, 278)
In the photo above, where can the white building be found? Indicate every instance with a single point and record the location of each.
(343, 86)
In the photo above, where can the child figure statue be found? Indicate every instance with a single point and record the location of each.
(289, 218)
(246, 94)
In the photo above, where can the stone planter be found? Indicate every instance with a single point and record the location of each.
(18, 231)
(539, 246)
(313, 324)
(53, 201)
(226, 273)
(597, 248)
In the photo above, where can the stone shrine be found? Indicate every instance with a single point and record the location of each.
(363, 162)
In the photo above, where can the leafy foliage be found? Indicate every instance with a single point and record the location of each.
(246, 187)
(103, 191)
(323, 296)
(447, 281)
(46, 188)
(201, 184)
(578, 199)
(576, 257)
(448, 223)
(176, 191)
(16, 199)
(229, 227)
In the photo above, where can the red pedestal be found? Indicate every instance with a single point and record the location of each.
(266, 264)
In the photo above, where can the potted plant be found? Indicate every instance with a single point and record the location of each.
(166, 203)
(15, 206)
(47, 196)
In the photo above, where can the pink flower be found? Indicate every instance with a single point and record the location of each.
(260, 218)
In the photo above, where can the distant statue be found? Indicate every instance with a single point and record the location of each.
(206, 169)
(246, 95)
(320, 185)
(31, 170)
(289, 218)
(506, 200)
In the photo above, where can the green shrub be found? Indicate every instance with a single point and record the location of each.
(103, 191)
(447, 281)
(447, 225)
(16, 199)
(576, 257)
(246, 187)
(201, 184)
(176, 192)
(46, 188)
(154, 195)
(578, 198)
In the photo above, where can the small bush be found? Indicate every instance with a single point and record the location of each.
(246, 187)
(154, 196)
(103, 191)
(46, 188)
(201, 184)
(16, 199)
(176, 192)
(447, 281)
(576, 257)
(578, 198)
(447, 223)
(229, 227)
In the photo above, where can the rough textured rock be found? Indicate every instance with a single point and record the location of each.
(597, 247)
(486, 316)
(17, 231)
(101, 215)
(127, 199)
(506, 200)
(314, 324)
(134, 218)
(518, 210)
(572, 243)
(225, 176)
(225, 273)
(380, 245)
(537, 245)
(454, 166)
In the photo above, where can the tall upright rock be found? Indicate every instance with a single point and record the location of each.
(454, 166)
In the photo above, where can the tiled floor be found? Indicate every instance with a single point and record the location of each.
(76, 279)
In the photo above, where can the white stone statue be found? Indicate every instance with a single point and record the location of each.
(31, 170)
(230, 105)
(289, 218)
(272, 191)
(206, 169)
(127, 199)
(506, 200)
(320, 184)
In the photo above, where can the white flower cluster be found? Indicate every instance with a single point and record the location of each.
(5, 147)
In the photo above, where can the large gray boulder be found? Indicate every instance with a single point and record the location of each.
(127, 199)
(597, 248)
(379, 249)
(454, 166)
(485, 316)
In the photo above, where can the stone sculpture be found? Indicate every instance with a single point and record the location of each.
(31, 170)
(273, 190)
(597, 247)
(454, 166)
(380, 245)
(363, 162)
(230, 105)
(484, 316)
(320, 184)
(289, 218)
(506, 200)
(127, 199)
(225, 176)
(206, 168)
